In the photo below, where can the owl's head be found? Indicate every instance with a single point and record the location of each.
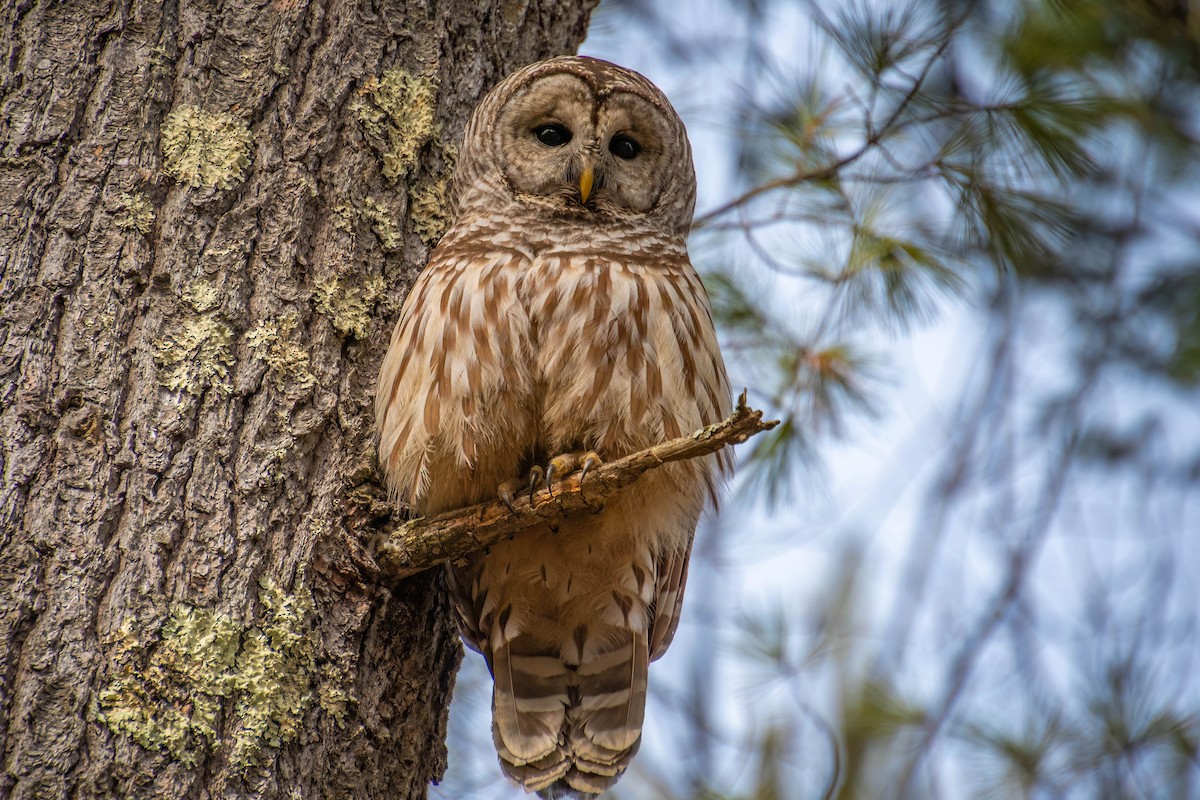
(578, 137)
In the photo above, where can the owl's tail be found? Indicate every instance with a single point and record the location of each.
(564, 729)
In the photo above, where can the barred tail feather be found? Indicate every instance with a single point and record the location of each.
(598, 705)
(529, 701)
(612, 703)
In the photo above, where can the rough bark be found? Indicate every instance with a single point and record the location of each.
(209, 215)
(419, 544)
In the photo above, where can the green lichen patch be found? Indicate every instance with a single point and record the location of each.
(383, 222)
(397, 111)
(202, 148)
(202, 296)
(195, 353)
(348, 304)
(428, 210)
(195, 356)
(136, 213)
(171, 702)
(168, 693)
(273, 342)
(344, 217)
(332, 694)
(276, 675)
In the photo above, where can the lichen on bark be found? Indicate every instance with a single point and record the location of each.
(136, 213)
(171, 700)
(203, 148)
(169, 691)
(195, 351)
(383, 222)
(428, 210)
(275, 341)
(397, 111)
(347, 302)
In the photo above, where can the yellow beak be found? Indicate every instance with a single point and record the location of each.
(585, 184)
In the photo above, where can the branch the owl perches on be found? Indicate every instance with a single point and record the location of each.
(417, 545)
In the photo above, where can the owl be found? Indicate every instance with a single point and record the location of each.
(559, 323)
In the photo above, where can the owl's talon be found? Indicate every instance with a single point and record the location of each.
(508, 490)
(590, 460)
(559, 468)
(535, 477)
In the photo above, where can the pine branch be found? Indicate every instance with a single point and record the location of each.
(874, 139)
(419, 544)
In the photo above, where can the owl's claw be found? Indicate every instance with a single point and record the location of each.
(508, 490)
(589, 461)
(535, 477)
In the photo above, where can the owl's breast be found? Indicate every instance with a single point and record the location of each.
(623, 349)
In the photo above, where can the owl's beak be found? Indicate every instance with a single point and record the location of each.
(585, 183)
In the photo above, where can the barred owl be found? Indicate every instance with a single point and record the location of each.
(559, 322)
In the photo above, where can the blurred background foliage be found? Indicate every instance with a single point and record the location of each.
(967, 234)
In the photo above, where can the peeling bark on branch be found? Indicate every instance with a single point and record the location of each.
(419, 544)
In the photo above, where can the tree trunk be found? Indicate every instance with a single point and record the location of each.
(211, 213)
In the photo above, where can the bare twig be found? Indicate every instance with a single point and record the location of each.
(787, 182)
(419, 544)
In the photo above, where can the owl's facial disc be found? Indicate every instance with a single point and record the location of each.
(562, 144)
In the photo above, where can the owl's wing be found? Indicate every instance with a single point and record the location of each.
(450, 393)
(668, 598)
(468, 601)
(699, 395)
(407, 410)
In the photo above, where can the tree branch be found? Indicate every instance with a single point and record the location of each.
(873, 139)
(419, 544)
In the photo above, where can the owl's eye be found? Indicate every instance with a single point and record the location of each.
(623, 146)
(552, 135)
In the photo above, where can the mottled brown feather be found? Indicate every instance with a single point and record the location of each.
(538, 326)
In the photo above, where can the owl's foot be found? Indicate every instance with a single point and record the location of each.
(558, 468)
(561, 466)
